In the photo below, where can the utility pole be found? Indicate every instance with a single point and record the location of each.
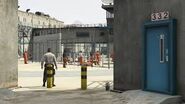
(108, 48)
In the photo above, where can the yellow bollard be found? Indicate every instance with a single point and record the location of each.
(49, 76)
(83, 77)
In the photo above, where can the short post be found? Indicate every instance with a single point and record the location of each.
(81, 60)
(25, 55)
(49, 76)
(84, 77)
(107, 86)
(64, 62)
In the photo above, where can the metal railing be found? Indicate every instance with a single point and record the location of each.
(85, 25)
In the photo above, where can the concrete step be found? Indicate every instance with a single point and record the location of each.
(143, 97)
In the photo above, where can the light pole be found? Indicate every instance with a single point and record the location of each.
(108, 48)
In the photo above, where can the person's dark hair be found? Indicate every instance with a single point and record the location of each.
(49, 49)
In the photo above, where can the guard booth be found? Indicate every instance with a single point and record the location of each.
(159, 74)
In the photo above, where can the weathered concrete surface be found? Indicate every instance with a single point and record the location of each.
(143, 97)
(90, 96)
(6, 94)
(8, 43)
(129, 18)
(30, 77)
(62, 97)
(67, 87)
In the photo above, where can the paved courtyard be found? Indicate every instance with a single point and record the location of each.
(67, 90)
(30, 76)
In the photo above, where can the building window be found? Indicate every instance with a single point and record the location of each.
(109, 15)
(58, 31)
(37, 34)
(82, 34)
(24, 19)
(102, 34)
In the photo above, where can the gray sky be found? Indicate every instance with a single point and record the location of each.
(69, 11)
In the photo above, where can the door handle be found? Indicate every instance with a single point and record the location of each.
(161, 46)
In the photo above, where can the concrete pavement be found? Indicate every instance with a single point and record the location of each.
(68, 89)
(30, 75)
(92, 96)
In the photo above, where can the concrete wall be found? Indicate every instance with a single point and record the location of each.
(8, 43)
(42, 43)
(129, 18)
(98, 35)
(94, 34)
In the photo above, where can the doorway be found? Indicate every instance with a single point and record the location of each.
(159, 56)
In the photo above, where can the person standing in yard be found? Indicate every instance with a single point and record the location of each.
(48, 58)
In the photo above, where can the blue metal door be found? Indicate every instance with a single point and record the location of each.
(159, 58)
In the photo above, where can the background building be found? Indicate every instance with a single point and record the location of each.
(38, 20)
(72, 39)
(108, 5)
(27, 21)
